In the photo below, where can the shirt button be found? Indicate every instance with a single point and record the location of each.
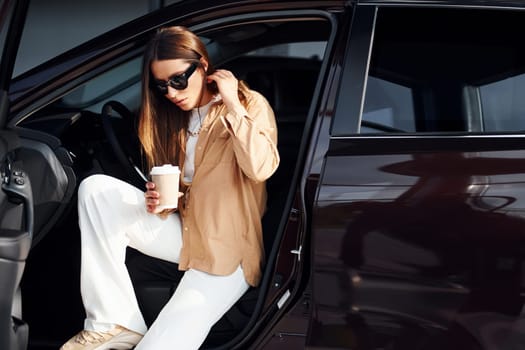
(199, 148)
(186, 229)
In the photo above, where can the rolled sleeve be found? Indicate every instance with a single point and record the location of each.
(254, 135)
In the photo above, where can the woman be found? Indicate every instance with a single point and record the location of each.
(223, 136)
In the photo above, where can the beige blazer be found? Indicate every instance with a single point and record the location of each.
(222, 208)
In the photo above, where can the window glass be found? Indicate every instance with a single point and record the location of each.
(169, 2)
(388, 106)
(286, 69)
(55, 26)
(313, 50)
(121, 83)
(503, 104)
(465, 77)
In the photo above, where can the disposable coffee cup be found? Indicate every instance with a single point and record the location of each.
(166, 179)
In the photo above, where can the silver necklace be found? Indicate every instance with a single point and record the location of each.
(198, 130)
(194, 133)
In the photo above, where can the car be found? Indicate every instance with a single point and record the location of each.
(396, 218)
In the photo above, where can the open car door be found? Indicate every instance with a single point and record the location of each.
(16, 204)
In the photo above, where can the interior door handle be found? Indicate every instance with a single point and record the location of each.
(17, 187)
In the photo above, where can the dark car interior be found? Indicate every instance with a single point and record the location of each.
(453, 77)
(97, 135)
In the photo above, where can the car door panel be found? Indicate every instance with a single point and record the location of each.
(49, 166)
(15, 238)
(38, 184)
(417, 232)
(427, 233)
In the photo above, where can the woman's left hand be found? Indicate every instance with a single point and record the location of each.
(228, 86)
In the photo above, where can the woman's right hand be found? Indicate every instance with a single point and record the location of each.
(152, 201)
(152, 198)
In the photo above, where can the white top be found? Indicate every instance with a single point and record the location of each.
(196, 119)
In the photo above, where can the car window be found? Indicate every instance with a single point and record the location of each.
(503, 105)
(121, 83)
(55, 26)
(388, 106)
(465, 77)
(269, 64)
(311, 49)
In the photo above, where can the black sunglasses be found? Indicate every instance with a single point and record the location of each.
(178, 82)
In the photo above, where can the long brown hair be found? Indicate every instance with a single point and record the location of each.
(162, 126)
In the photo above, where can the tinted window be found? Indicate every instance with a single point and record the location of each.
(503, 104)
(314, 50)
(388, 106)
(121, 83)
(285, 73)
(446, 70)
(55, 26)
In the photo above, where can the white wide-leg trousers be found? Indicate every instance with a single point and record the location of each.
(112, 216)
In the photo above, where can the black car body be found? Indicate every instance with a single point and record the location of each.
(396, 219)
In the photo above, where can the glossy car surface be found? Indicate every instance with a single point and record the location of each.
(396, 219)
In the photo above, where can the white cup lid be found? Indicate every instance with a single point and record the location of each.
(165, 169)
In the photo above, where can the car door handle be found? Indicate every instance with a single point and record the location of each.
(17, 187)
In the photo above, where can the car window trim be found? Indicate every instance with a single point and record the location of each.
(351, 92)
(303, 15)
